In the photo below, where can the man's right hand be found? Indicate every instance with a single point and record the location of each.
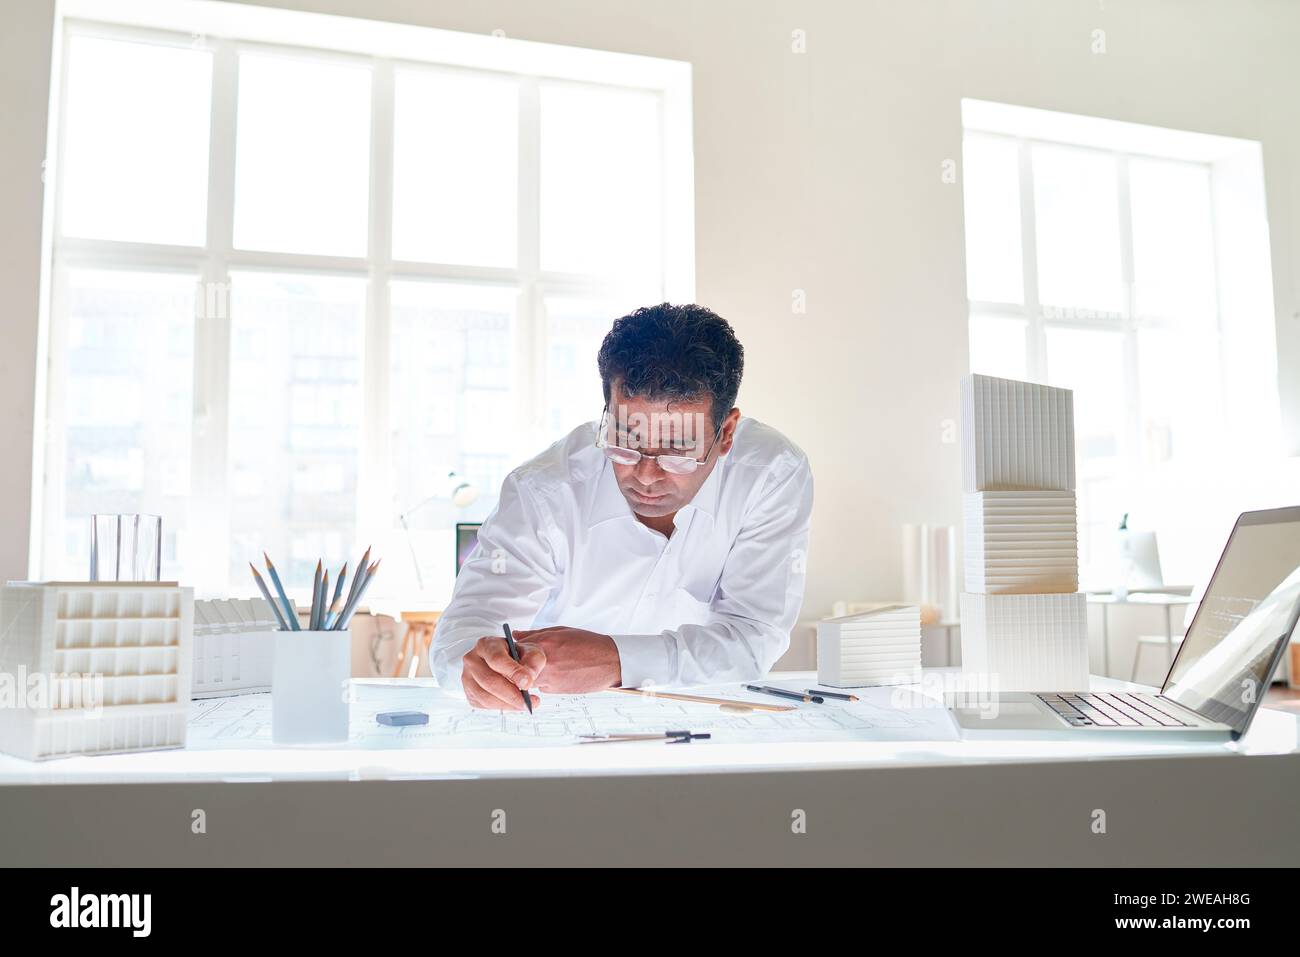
(493, 680)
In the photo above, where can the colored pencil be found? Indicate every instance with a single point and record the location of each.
(351, 610)
(782, 693)
(290, 612)
(313, 624)
(336, 604)
(357, 579)
(261, 586)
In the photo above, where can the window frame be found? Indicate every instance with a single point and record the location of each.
(1127, 322)
(384, 49)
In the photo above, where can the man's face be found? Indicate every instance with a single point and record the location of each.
(655, 427)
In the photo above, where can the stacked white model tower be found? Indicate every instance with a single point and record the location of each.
(1024, 622)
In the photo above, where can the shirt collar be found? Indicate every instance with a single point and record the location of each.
(608, 502)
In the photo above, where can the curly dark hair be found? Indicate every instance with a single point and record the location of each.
(674, 352)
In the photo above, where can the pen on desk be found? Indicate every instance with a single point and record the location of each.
(782, 693)
(514, 653)
(832, 694)
(289, 611)
(275, 608)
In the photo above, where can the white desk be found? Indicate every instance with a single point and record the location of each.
(707, 802)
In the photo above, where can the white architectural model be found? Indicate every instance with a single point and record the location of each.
(877, 647)
(93, 667)
(1024, 622)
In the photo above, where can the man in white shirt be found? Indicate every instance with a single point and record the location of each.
(663, 545)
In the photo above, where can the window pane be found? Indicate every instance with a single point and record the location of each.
(127, 369)
(574, 331)
(295, 410)
(1181, 395)
(1092, 364)
(454, 407)
(135, 153)
(998, 347)
(1076, 214)
(1173, 244)
(455, 168)
(303, 156)
(991, 184)
(601, 191)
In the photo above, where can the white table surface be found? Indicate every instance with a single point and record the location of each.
(1273, 732)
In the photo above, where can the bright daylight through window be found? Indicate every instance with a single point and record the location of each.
(296, 288)
(1115, 260)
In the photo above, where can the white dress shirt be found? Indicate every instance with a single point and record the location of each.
(713, 602)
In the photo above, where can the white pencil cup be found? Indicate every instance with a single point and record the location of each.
(309, 687)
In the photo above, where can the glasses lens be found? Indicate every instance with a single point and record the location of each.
(622, 456)
(678, 464)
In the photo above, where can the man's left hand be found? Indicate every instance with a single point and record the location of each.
(577, 661)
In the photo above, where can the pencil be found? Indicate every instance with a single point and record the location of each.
(514, 653)
(351, 608)
(261, 586)
(726, 704)
(336, 604)
(290, 612)
(333, 614)
(782, 693)
(831, 694)
(324, 600)
(357, 578)
(312, 623)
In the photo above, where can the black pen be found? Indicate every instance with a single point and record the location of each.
(514, 653)
(833, 694)
(782, 693)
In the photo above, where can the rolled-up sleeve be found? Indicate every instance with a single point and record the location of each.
(755, 607)
(507, 578)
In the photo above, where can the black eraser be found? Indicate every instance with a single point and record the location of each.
(402, 719)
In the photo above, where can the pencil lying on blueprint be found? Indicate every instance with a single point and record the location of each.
(726, 704)
(672, 737)
(782, 693)
(832, 694)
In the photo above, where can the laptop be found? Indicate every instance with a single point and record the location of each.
(1222, 669)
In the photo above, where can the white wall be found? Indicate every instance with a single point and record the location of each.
(26, 35)
(821, 171)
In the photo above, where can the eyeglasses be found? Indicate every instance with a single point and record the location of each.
(620, 455)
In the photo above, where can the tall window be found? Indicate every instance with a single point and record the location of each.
(1093, 263)
(297, 288)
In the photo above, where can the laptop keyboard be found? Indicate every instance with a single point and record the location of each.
(1112, 710)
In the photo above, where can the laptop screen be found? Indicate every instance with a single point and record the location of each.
(1249, 609)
